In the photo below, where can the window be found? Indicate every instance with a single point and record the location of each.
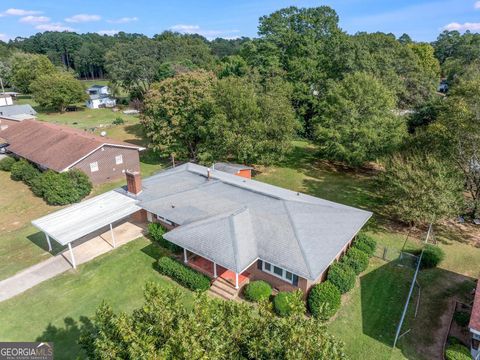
(278, 272)
(119, 159)
(162, 219)
(94, 166)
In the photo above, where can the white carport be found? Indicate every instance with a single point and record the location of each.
(76, 221)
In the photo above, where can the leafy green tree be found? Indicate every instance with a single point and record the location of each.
(28, 67)
(176, 114)
(253, 123)
(422, 190)
(426, 59)
(57, 90)
(163, 328)
(232, 66)
(356, 122)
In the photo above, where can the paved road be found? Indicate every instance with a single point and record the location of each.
(84, 250)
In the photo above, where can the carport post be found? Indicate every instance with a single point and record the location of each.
(113, 236)
(49, 243)
(236, 280)
(71, 255)
(215, 270)
(185, 258)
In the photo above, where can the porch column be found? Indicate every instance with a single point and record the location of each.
(71, 255)
(48, 241)
(113, 236)
(185, 258)
(236, 280)
(215, 270)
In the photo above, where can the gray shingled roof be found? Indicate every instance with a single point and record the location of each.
(233, 220)
(11, 110)
(230, 168)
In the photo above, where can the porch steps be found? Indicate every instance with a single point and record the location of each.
(223, 289)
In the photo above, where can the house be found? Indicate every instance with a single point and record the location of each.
(5, 100)
(61, 148)
(235, 169)
(241, 229)
(17, 110)
(99, 97)
(474, 325)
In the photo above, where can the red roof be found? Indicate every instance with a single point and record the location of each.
(475, 317)
(53, 146)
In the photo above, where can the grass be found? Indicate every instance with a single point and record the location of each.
(55, 309)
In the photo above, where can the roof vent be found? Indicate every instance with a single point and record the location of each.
(298, 194)
(173, 206)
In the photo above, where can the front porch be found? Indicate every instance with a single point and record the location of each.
(215, 271)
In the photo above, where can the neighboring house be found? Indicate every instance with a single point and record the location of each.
(5, 100)
(242, 229)
(100, 97)
(61, 148)
(17, 110)
(474, 325)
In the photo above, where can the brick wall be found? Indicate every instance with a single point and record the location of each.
(107, 168)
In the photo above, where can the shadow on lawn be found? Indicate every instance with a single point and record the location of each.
(384, 293)
(65, 339)
(40, 240)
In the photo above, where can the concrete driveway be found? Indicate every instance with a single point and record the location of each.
(85, 249)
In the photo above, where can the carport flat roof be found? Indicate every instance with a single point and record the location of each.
(76, 221)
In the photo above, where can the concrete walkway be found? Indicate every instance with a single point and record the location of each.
(84, 250)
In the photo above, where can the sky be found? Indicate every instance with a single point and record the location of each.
(423, 20)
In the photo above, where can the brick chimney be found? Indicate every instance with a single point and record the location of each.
(134, 182)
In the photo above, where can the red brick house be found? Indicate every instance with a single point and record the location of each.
(61, 148)
(474, 325)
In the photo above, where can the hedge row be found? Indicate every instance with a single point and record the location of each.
(286, 303)
(156, 232)
(55, 188)
(184, 275)
(457, 352)
(324, 299)
(6, 163)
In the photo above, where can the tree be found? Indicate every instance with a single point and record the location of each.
(426, 59)
(356, 122)
(133, 65)
(253, 123)
(163, 328)
(455, 136)
(421, 189)
(176, 115)
(57, 90)
(26, 68)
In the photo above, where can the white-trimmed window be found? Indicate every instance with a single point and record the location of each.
(278, 272)
(94, 166)
(119, 159)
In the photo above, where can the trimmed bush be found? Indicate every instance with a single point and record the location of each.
(24, 171)
(356, 259)
(81, 182)
(324, 300)
(286, 303)
(342, 276)
(156, 232)
(366, 244)
(257, 291)
(182, 274)
(61, 188)
(6, 163)
(462, 318)
(432, 256)
(457, 352)
(118, 121)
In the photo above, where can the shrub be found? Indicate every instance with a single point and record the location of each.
(342, 276)
(461, 318)
(81, 182)
(287, 303)
(356, 259)
(365, 243)
(6, 163)
(24, 171)
(457, 352)
(257, 291)
(118, 121)
(432, 256)
(156, 232)
(324, 300)
(182, 274)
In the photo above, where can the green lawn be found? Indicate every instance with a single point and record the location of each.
(55, 309)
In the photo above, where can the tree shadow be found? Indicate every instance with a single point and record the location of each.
(65, 339)
(155, 252)
(384, 292)
(40, 240)
(137, 131)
